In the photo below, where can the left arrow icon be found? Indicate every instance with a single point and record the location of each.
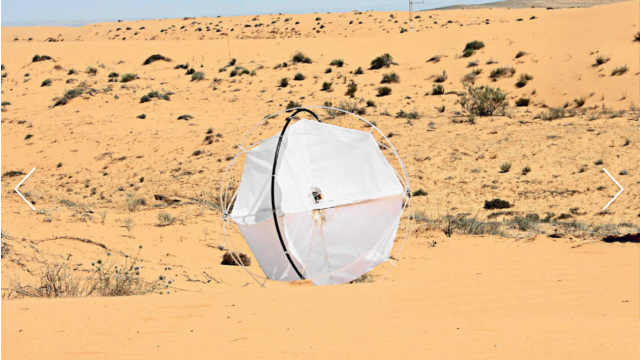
(23, 198)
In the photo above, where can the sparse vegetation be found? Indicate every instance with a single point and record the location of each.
(235, 259)
(390, 78)
(526, 170)
(482, 101)
(384, 91)
(156, 57)
(620, 70)
(636, 36)
(337, 62)
(523, 102)
(299, 77)
(419, 192)
(624, 172)
(46, 82)
(496, 204)
(197, 76)
(165, 219)
(523, 80)
(502, 71)
(293, 104)
(300, 57)
(381, 61)
(128, 77)
(358, 71)
(327, 86)
(601, 59)
(411, 115)
(5, 104)
(471, 47)
(442, 77)
(37, 58)
(351, 89)
(68, 96)
(505, 167)
(579, 101)
(520, 54)
(437, 90)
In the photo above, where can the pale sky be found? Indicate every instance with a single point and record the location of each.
(78, 12)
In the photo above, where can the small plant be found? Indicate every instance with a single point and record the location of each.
(128, 77)
(144, 99)
(165, 219)
(636, 36)
(183, 66)
(327, 86)
(627, 142)
(156, 57)
(284, 82)
(384, 91)
(92, 71)
(598, 162)
(502, 71)
(523, 80)
(293, 104)
(359, 71)
(129, 224)
(68, 96)
(371, 103)
(47, 82)
(440, 78)
(235, 259)
(624, 172)
(299, 77)
(520, 54)
(419, 192)
(471, 47)
(37, 58)
(482, 101)
(328, 70)
(142, 116)
(601, 59)
(337, 62)
(435, 58)
(300, 57)
(619, 70)
(390, 78)
(505, 167)
(381, 61)
(526, 170)
(440, 109)
(579, 101)
(437, 90)
(523, 102)
(351, 89)
(496, 204)
(113, 75)
(197, 76)
(231, 62)
(411, 115)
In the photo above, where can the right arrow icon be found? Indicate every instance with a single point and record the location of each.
(619, 192)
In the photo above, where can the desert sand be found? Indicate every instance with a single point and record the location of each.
(551, 289)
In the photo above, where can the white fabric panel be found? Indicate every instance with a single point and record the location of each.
(340, 244)
(265, 245)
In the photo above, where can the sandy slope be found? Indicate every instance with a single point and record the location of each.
(467, 297)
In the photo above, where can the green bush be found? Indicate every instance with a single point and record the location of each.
(299, 77)
(619, 70)
(384, 60)
(523, 102)
(520, 54)
(390, 78)
(47, 82)
(300, 57)
(502, 71)
(128, 77)
(337, 62)
(37, 58)
(482, 100)
(197, 76)
(474, 45)
(384, 91)
(351, 89)
(437, 90)
(523, 80)
(293, 104)
(68, 96)
(496, 204)
(284, 82)
(505, 167)
(327, 86)
(154, 58)
(359, 71)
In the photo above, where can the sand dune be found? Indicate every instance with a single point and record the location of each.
(516, 293)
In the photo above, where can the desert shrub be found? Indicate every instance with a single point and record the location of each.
(165, 219)
(474, 45)
(293, 104)
(134, 203)
(68, 96)
(12, 173)
(337, 62)
(145, 98)
(300, 57)
(437, 90)
(5, 104)
(128, 77)
(359, 71)
(435, 58)
(112, 75)
(351, 89)
(520, 54)
(182, 66)
(440, 109)
(92, 71)
(598, 162)
(142, 116)
(526, 223)
(523, 80)
(526, 170)
(580, 101)
(284, 82)
(601, 59)
(158, 95)
(60, 280)
(636, 36)
(390, 78)
(327, 86)
(502, 72)
(624, 172)
(156, 57)
(371, 103)
(505, 167)
(37, 58)
(472, 63)
(523, 102)
(231, 62)
(411, 115)
(299, 77)
(619, 70)
(72, 72)
(384, 60)
(232, 259)
(197, 76)
(496, 204)
(482, 100)
(185, 117)
(419, 192)
(384, 91)
(440, 78)
(46, 82)
(190, 71)
(554, 114)
(328, 70)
